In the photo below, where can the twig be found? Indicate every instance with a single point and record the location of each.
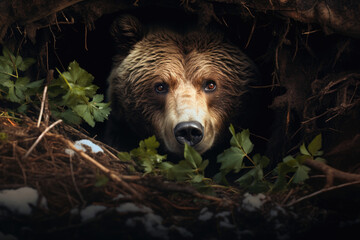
(42, 106)
(173, 187)
(321, 191)
(331, 172)
(40, 137)
(251, 33)
(75, 185)
(115, 177)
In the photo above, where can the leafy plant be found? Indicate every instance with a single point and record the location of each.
(237, 158)
(145, 155)
(190, 170)
(295, 165)
(14, 85)
(73, 97)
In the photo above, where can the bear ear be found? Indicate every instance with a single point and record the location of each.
(126, 31)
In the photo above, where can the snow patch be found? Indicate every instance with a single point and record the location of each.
(19, 200)
(152, 223)
(205, 215)
(80, 146)
(224, 221)
(253, 202)
(131, 207)
(91, 211)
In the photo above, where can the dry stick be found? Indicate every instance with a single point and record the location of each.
(105, 170)
(44, 100)
(321, 191)
(42, 106)
(40, 137)
(173, 187)
(331, 172)
(75, 185)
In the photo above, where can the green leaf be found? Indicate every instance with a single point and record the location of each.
(3, 137)
(290, 161)
(84, 111)
(263, 161)
(242, 141)
(231, 159)
(282, 170)
(78, 75)
(181, 172)
(315, 145)
(198, 178)
(151, 143)
(68, 115)
(148, 165)
(301, 174)
(303, 150)
(203, 165)
(25, 63)
(124, 156)
(253, 181)
(101, 180)
(192, 156)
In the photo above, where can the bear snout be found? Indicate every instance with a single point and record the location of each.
(191, 132)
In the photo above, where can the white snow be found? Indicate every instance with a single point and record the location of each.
(152, 223)
(224, 221)
(205, 214)
(253, 202)
(131, 207)
(119, 196)
(80, 146)
(19, 200)
(91, 211)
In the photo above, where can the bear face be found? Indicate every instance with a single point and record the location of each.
(182, 86)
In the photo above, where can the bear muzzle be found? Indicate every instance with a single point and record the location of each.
(191, 132)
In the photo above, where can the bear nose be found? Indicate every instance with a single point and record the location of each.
(189, 132)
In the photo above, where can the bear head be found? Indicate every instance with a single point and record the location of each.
(183, 85)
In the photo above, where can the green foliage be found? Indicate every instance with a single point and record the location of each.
(190, 170)
(237, 158)
(3, 137)
(14, 85)
(73, 97)
(295, 165)
(101, 180)
(145, 155)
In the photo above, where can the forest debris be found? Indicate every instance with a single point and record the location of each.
(326, 189)
(115, 177)
(39, 138)
(331, 172)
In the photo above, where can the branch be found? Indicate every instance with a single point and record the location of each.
(112, 175)
(321, 191)
(331, 172)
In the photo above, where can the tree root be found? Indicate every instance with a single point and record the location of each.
(332, 173)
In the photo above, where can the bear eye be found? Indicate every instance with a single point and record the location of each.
(161, 88)
(210, 86)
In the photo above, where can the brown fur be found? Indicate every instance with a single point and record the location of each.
(184, 61)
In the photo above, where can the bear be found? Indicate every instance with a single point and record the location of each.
(184, 85)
